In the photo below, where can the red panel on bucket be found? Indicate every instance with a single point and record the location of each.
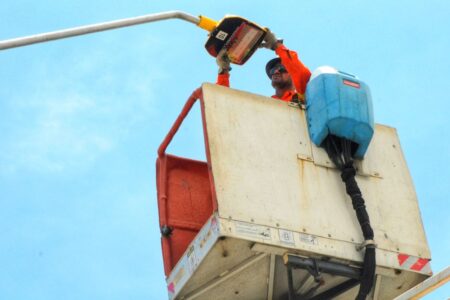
(184, 203)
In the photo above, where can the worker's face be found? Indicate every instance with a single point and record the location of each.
(280, 77)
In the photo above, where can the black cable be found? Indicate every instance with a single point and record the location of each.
(343, 160)
(332, 151)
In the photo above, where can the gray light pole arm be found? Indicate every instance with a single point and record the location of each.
(60, 34)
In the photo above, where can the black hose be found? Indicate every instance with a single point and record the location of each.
(342, 158)
(348, 177)
(368, 271)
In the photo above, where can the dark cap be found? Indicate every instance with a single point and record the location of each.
(272, 63)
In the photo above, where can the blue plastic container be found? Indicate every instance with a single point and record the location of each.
(339, 103)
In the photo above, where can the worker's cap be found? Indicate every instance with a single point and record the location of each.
(272, 63)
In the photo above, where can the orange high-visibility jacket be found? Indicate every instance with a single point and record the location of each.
(300, 74)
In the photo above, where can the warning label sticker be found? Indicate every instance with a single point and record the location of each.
(252, 230)
(286, 237)
(221, 35)
(214, 225)
(192, 259)
(178, 276)
(352, 84)
(308, 239)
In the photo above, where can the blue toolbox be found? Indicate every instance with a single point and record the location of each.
(339, 104)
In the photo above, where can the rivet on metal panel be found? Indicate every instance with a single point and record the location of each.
(304, 229)
(230, 218)
(376, 174)
(398, 249)
(352, 239)
(278, 225)
(393, 146)
(329, 235)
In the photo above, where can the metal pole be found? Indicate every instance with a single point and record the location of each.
(291, 291)
(337, 290)
(324, 266)
(427, 286)
(65, 33)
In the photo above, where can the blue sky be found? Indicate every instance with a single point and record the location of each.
(81, 120)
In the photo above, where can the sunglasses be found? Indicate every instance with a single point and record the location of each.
(279, 68)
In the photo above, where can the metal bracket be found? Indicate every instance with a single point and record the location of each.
(315, 272)
(366, 243)
(316, 267)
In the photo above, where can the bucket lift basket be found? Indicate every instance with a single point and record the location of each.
(266, 216)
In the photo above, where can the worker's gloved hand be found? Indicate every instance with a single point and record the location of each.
(224, 64)
(270, 40)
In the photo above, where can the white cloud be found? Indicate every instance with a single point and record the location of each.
(77, 109)
(53, 138)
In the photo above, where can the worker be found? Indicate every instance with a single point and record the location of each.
(288, 74)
